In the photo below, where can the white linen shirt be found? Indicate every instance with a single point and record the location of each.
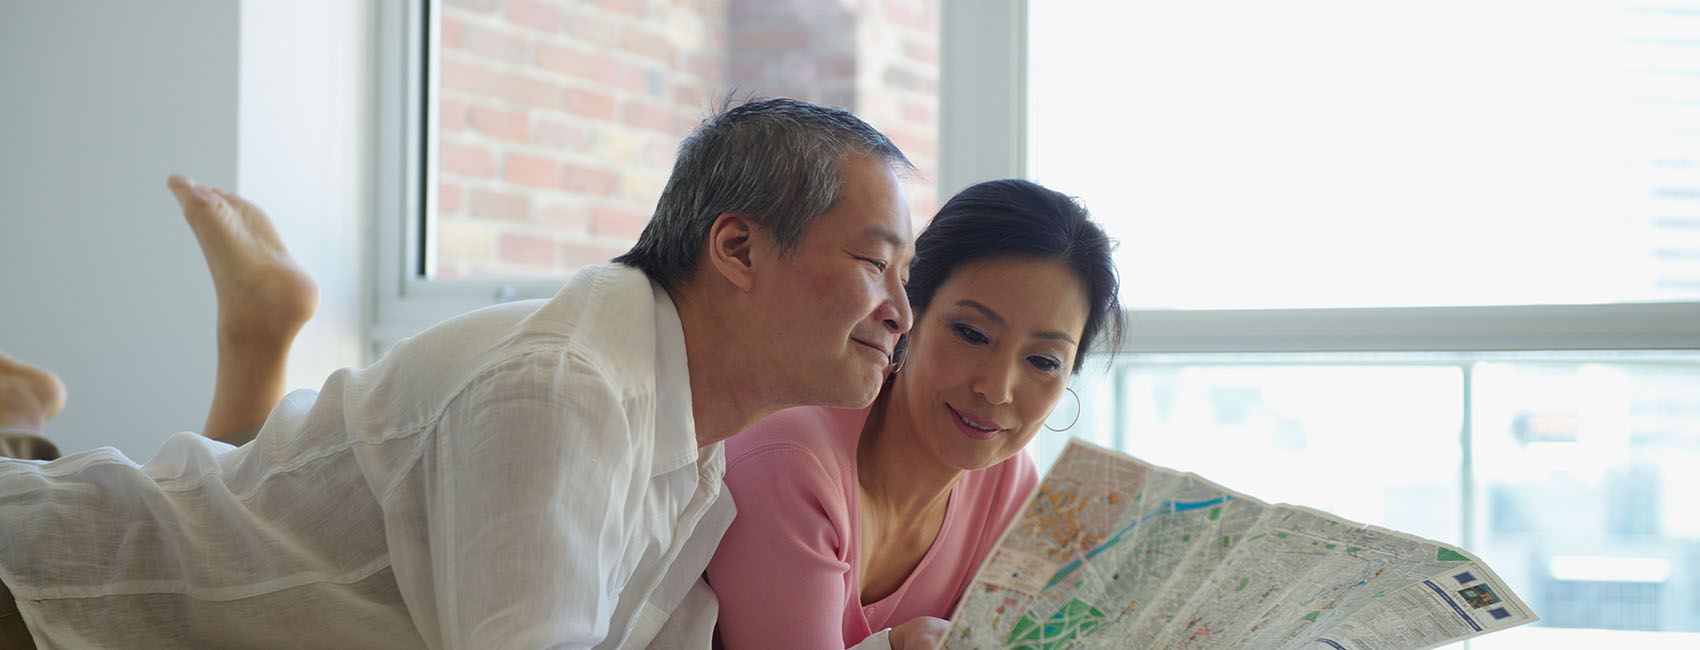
(523, 476)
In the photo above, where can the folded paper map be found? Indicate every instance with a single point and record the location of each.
(1113, 552)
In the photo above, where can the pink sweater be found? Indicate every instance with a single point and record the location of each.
(787, 571)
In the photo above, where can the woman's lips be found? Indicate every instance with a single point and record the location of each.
(971, 427)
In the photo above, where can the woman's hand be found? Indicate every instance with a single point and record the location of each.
(919, 633)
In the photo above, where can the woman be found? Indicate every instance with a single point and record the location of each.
(851, 521)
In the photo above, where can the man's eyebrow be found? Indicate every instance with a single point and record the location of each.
(995, 318)
(886, 235)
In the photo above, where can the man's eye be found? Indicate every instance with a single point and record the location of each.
(878, 264)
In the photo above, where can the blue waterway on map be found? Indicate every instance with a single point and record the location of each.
(1170, 507)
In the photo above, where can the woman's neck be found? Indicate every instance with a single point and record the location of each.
(897, 475)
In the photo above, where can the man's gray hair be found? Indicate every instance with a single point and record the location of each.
(778, 162)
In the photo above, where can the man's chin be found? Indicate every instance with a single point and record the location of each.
(861, 392)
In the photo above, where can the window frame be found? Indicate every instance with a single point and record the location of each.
(983, 71)
(404, 302)
(984, 52)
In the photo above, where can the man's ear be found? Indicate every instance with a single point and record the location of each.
(730, 240)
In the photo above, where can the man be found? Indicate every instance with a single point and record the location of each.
(544, 474)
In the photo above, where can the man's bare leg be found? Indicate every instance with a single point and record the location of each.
(29, 397)
(264, 298)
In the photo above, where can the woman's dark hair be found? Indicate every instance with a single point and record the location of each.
(1017, 218)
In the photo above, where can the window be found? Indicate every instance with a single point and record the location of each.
(1434, 267)
(543, 131)
(1342, 154)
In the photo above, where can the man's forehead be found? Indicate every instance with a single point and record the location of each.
(882, 234)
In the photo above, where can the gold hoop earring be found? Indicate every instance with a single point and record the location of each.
(1076, 412)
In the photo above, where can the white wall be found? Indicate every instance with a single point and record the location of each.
(305, 153)
(100, 280)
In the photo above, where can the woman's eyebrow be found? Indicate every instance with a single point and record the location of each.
(990, 315)
(995, 318)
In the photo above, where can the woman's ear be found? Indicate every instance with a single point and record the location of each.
(729, 242)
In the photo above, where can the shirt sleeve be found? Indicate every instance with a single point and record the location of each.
(530, 486)
(782, 572)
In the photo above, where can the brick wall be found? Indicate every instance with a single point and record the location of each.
(558, 119)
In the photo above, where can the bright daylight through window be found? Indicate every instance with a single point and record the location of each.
(1297, 155)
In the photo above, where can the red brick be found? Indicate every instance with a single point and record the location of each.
(490, 204)
(920, 204)
(574, 256)
(448, 198)
(844, 98)
(587, 180)
(781, 39)
(527, 250)
(530, 170)
(534, 14)
(472, 78)
(710, 67)
(451, 115)
(449, 33)
(589, 103)
(689, 97)
(911, 16)
(564, 217)
(500, 124)
(492, 43)
(714, 36)
(480, 6)
(467, 160)
(608, 70)
(659, 155)
(748, 12)
(914, 144)
(647, 43)
(920, 114)
(562, 60)
(682, 124)
(654, 116)
(748, 69)
(561, 136)
(900, 78)
(633, 7)
(922, 52)
(615, 222)
(532, 92)
(836, 66)
(592, 29)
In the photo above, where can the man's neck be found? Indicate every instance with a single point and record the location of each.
(727, 395)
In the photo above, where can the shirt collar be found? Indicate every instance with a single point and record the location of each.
(675, 424)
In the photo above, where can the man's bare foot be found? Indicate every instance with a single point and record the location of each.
(29, 395)
(262, 292)
(264, 298)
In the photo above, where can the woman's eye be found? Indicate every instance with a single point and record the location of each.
(970, 334)
(1046, 364)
